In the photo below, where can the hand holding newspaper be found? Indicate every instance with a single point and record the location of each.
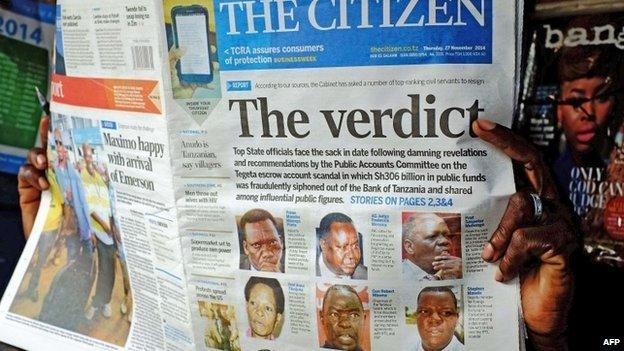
(329, 191)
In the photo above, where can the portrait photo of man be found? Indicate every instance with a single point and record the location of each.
(264, 301)
(431, 250)
(339, 251)
(343, 322)
(436, 317)
(261, 242)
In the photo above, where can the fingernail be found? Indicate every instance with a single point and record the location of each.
(41, 159)
(486, 124)
(488, 252)
(499, 275)
(43, 183)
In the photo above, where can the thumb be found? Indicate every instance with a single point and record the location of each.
(546, 295)
(555, 269)
(44, 125)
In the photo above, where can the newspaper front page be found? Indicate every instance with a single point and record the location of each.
(272, 175)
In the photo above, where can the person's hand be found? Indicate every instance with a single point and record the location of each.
(537, 249)
(447, 267)
(187, 91)
(31, 179)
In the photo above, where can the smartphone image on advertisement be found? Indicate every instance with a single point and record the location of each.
(190, 28)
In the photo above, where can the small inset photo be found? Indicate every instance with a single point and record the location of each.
(438, 318)
(221, 331)
(265, 306)
(261, 241)
(343, 317)
(431, 246)
(192, 43)
(340, 249)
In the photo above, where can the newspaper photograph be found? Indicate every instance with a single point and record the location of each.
(283, 175)
(63, 272)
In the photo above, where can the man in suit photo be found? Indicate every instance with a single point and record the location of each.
(339, 253)
(261, 241)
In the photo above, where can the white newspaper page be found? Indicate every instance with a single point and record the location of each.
(330, 191)
(272, 175)
(104, 268)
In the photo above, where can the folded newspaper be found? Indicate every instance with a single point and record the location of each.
(272, 175)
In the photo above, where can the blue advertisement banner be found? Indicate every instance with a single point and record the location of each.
(278, 34)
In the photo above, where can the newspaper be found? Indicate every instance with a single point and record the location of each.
(26, 40)
(272, 175)
(572, 111)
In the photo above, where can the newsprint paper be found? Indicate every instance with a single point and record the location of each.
(272, 175)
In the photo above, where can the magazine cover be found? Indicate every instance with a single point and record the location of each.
(278, 175)
(572, 110)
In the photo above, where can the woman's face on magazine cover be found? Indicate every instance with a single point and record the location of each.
(262, 311)
(586, 115)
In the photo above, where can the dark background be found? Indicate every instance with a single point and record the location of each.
(11, 237)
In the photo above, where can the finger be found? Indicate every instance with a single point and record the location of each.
(530, 244)
(178, 53)
(37, 157)
(441, 266)
(44, 126)
(29, 176)
(449, 262)
(520, 151)
(445, 258)
(518, 213)
(175, 54)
